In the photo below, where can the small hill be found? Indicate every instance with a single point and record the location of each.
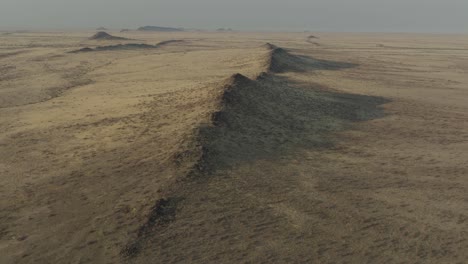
(160, 29)
(127, 46)
(167, 42)
(130, 46)
(101, 35)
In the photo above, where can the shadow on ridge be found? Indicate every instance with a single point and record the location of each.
(272, 117)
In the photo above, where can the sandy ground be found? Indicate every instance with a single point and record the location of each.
(351, 148)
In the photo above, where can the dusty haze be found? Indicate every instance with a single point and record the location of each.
(320, 15)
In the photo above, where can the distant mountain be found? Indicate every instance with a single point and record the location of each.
(159, 29)
(224, 29)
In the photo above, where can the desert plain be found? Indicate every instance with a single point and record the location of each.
(231, 147)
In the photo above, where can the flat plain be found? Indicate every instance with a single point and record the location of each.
(197, 147)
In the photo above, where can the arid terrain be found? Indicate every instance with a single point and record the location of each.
(229, 147)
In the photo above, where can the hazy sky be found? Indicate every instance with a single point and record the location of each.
(314, 15)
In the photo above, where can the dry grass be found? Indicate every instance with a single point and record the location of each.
(353, 150)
